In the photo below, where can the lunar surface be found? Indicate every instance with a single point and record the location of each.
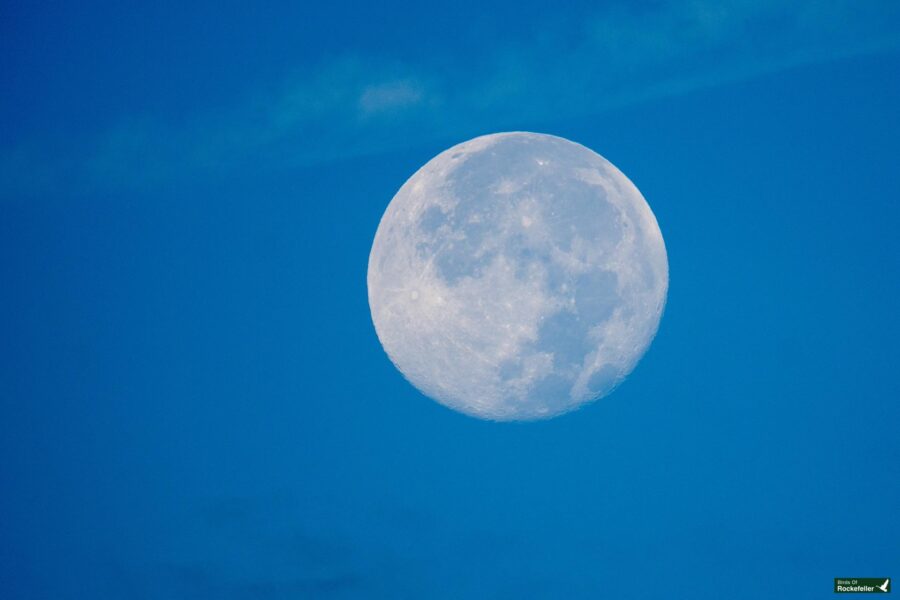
(517, 276)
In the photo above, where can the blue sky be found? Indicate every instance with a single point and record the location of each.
(193, 401)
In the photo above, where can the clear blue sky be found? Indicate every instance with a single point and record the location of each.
(193, 401)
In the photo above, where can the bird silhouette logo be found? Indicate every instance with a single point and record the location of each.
(884, 586)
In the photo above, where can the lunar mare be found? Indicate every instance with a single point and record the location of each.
(517, 276)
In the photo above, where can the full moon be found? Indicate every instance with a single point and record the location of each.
(517, 276)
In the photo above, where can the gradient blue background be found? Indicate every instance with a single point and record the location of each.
(193, 401)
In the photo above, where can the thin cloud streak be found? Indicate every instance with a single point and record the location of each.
(352, 105)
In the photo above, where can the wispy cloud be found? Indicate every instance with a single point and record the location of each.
(354, 105)
(390, 96)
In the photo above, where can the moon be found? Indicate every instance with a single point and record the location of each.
(517, 276)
